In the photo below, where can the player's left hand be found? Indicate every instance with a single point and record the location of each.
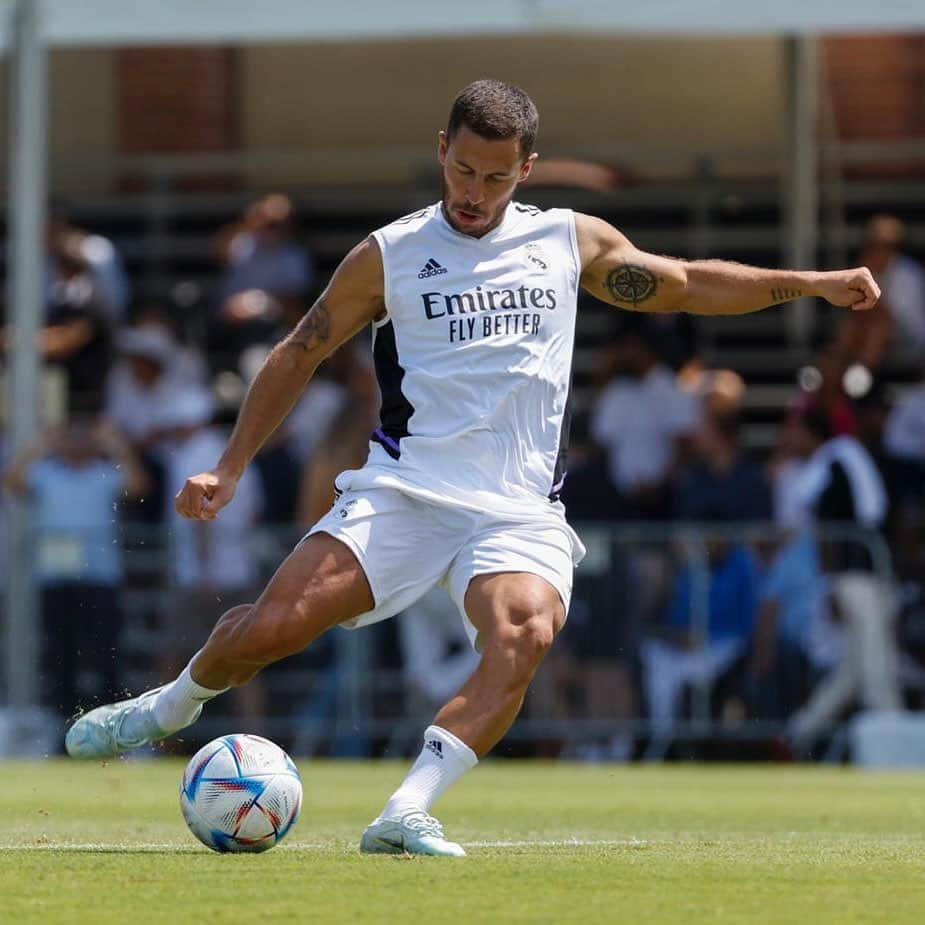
(855, 289)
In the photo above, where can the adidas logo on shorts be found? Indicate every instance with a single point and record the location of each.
(431, 268)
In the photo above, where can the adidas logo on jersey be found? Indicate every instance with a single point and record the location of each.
(431, 268)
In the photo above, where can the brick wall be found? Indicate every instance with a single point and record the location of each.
(877, 87)
(175, 100)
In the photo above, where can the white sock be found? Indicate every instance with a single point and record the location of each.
(443, 760)
(177, 704)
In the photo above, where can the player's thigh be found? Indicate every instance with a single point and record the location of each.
(319, 585)
(510, 574)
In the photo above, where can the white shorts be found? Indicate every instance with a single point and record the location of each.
(406, 546)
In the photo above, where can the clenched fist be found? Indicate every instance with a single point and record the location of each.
(204, 495)
(856, 288)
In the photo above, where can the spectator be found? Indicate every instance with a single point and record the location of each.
(642, 420)
(78, 340)
(187, 362)
(100, 276)
(591, 672)
(794, 639)
(903, 444)
(838, 481)
(436, 652)
(210, 563)
(720, 392)
(721, 481)
(903, 478)
(267, 278)
(76, 336)
(145, 382)
(76, 477)
(901, 279)
(908, 544)
(322, 403)
(700, 654)
(345, 445)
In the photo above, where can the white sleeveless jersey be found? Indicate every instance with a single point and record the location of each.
(474, 361)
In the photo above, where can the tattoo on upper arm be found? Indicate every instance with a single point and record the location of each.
(314, 329)
(785, 295)
(631, 283)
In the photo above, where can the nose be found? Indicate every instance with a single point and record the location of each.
(475, 192)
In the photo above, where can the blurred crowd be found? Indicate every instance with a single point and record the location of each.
(733, 622)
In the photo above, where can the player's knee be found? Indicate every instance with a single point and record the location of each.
(532, 621)
(536, 636)
(520, 646)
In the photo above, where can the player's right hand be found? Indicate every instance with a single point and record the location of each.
(204, 495)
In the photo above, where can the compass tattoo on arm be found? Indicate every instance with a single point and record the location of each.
(631, 284)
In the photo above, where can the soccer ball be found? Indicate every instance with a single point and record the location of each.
(240, 793)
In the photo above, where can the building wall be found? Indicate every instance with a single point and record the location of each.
(592, 94)
(81, 110)
(379, 104)
(81, 113)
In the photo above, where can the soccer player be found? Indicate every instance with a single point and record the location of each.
(472, 302)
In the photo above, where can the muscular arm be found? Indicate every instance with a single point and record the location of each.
(615, 271)
(352, 299)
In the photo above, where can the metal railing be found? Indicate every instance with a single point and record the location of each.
(346, 701)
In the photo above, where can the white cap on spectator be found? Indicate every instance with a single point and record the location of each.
(150, 342)
(189, 407)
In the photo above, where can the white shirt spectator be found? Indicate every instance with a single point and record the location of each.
(806, 482)
(904, 294)
(215, 553)
(136, 407)
(313, 415)
(904, 435)
(638, 422)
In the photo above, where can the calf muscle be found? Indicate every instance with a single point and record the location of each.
(320, 585)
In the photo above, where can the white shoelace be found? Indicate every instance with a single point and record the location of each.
(420, 822)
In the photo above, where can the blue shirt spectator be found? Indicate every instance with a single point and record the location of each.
(795, 583)
(264, 262)
(722, 483)
(732, 596)
(76, 519)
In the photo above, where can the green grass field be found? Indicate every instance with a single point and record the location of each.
(547, 843)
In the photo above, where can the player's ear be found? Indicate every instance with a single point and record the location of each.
(527, 166)
(442, 144)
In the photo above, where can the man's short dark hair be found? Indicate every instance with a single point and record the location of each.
(495, 110)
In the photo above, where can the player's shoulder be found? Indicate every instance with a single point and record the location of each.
(528, 212)
(413, 221)
(592, 227)
(596, 237)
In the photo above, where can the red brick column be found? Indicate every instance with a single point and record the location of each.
(877, 87)
(177, 100)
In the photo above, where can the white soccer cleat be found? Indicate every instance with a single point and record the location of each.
(114, 728)
(414, 833)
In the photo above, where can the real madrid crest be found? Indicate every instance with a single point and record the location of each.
(536, 258)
